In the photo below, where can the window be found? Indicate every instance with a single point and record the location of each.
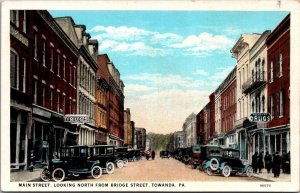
(263, 69)
(58, 64)
(271, 106)
(253, 106)
(51, 99)
(58, 96)
(22, 83)
(43, 95)
(74, 76)
(281, 101)
(51, 58)
(280, 65)
(14, 17)
(14, 60)
(44, 53)
(263, 104)
(70, 106)
(64, 103)
(63, 68)
(271, 71)
(24, 21)
(70, 72)
(35, 46)
(34, 91)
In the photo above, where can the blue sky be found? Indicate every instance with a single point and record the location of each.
(170, 61)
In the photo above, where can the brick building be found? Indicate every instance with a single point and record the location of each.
(141, 138)
(20, 89)
(228, 109)
(278, 86)
(127, 127)
(85, 72)
(44, 72)
(116, 106)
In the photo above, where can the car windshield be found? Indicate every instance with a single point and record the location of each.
(196, 149)
(231, 153)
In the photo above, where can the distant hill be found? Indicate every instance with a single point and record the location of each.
(159, 141)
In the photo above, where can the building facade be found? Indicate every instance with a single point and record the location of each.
(179, 139)
(189, 127)
(241, 51)
(141, 138)
(85, 71)
(228, 110)
(127, 127)
(278, 87)
(116, 107)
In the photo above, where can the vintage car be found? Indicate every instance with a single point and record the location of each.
(195, 156)
(164, 154)
(205, 152)
(133, 155)
(121, 154)
(227, 162)
(74, 161)
(105, 155)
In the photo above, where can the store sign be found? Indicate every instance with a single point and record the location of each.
(260, 117)
(76, 119)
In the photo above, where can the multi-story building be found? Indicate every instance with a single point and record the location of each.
(218, 138)
(116, 106)
(201, 133)
(228, 109)
(256, 87)
(206, 123)
(131, 135)
(86, 70)
(127, 127)
(141, 138)
(212, 131)
(241, 51)
(20, 89)
(278, 87)
(49, 61)
(179, 139)
(189, 127)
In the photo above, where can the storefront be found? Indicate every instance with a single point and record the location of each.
(278, 139)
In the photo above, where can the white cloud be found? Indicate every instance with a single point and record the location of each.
(165, 81)
(201, 72)
(165, 111)
(129, 88)
(204, 43)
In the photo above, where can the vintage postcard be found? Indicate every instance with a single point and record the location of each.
(150, 96)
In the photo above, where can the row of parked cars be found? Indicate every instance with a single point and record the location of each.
(213, 159)
(83, 161)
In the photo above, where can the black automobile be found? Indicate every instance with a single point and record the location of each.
(73, 161)
(121, 156)
(164, 154)
(206, 151)
(133, 155)
(227, 162)
(105, 155)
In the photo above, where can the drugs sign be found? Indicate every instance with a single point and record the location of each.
(260, 117)
(76, 119)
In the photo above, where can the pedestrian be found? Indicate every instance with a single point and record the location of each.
(153, 155)
(260, 163)
(254, 162)
(276, 164)
(268, 162)
(287, 165)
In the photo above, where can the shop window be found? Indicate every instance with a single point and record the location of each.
(14, 69)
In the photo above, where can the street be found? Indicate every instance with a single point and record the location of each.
(161, 170)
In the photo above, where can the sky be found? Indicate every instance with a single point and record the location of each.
(170, 61)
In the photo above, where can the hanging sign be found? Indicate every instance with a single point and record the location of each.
(260, 117)
(76, 119)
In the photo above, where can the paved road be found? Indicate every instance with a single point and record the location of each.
(162, 170)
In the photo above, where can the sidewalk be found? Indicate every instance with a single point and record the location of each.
(25, 176)
(270, 177)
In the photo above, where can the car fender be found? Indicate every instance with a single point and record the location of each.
(206, 165)
(245, 167)
(222, 165)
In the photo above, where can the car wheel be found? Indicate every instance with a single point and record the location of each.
(120, 163)
(125, 161)
(110, 167)
(58, 174)
(249, 171)
(45, 175)
(96, 172)
(193, 166)
(209, 171)
(186, 158)
(134, 159)
(226, 171)
(214, 164)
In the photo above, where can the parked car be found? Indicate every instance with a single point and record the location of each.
(105, 155)
(206, 151)
(195, 156)
(74, 161)
(133, 155)
(164, 154)
(227, 162)
(121, 156)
